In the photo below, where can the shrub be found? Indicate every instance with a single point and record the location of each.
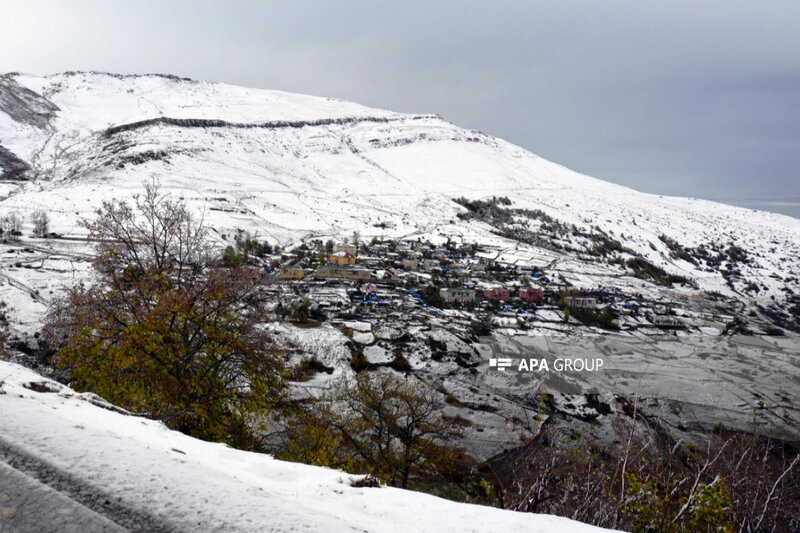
(301, 312)
(313, 440)
(430, 295)
(481, 327)
(400, 363)
(307, 368)
(358, 361)
(368, 481)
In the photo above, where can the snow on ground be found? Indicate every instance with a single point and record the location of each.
(736, 381)
(325, 342)
(192, 484)
(378, 355)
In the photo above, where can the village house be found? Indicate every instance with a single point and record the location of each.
(345, 247)
(629, 307)
(409, 264)
(497, 294)
(581, 302)
(531, 294)
(344, 272)
(460, 295)
(342, 259)
(291, 272)
(393, 277)
(477, 268)
(431, 264)
(379, 249)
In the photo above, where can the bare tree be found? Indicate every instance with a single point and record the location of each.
(395, 426)
(41, 223)
(3, 330)
(11, 227)
(155, 235)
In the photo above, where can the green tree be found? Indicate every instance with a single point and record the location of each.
(302, 311)
(232, 258)
(430, 295)
(312, 440)
(164, 333)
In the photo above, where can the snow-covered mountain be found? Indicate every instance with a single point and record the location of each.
(287, 167)
(290, 168)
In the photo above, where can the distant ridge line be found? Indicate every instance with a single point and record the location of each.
(218, 123)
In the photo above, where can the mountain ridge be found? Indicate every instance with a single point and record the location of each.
(294, 167)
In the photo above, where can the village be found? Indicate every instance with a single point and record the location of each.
(457, 286)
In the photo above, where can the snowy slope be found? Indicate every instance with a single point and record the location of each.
(187, 484)
(288, 167)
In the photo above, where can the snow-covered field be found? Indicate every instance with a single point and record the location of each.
(190, 485)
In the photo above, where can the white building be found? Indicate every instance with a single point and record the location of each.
(345, 247)
(459, 295)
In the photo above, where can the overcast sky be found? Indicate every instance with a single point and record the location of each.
(682, 97)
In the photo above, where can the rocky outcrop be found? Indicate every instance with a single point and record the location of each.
(12, 167)
(214, 123)
(24, 105)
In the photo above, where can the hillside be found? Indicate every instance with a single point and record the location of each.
(692, 306)
(161, 480)
(288, 167)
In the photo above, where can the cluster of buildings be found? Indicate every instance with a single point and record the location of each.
(393, 265)
(418, 279)
(341, 264)
(581, 302)
(410, 277)
(465, 295)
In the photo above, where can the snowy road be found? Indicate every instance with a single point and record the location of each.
(38, 497)
(29, 506)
